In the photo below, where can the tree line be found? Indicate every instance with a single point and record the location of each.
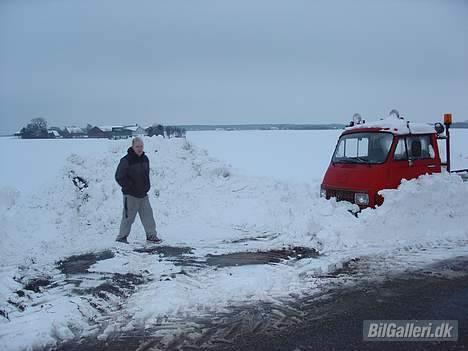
(37, 128)
(166, 131)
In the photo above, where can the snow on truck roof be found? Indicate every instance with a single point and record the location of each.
(395, 125)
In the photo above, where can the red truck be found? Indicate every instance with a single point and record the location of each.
(370, 157)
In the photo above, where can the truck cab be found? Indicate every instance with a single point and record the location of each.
(370, 157)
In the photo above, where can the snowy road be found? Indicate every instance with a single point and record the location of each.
(365, 287)
(331, 318)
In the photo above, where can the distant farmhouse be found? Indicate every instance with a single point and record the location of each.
(136, 130)
(54, 134)
(74, 132)
(99, 132)
(121, 133)
(116, 132)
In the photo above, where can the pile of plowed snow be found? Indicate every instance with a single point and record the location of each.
(199, 201)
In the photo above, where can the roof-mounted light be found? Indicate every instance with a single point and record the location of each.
(357, 119)
(447, 118)
(395, 113)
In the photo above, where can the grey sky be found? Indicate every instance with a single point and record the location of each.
(237, 61)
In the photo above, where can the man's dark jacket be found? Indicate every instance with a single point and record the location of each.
(133, 174)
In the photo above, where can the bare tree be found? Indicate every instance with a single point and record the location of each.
(36, 129)
(169, 131)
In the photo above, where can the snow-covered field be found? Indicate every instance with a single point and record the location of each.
(292, 155)
(267, 200)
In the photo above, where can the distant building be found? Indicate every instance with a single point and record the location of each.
(74, 132)
(136, 130)
(121, 133)
(109, 132)
(116, 132)
(18, 134)
(53, 134)
(100, 132)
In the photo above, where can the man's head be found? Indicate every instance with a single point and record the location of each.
(138, 146)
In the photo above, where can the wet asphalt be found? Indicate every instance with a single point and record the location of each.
(423, 295)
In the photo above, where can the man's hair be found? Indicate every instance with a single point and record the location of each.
(136, 140)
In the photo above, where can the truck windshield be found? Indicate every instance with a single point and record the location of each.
(363, 148)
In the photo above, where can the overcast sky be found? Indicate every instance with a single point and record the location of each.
(238, 61)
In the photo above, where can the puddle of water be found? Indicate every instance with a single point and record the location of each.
(80, 263)
(171, 251)
(260, 257)
(254, 238)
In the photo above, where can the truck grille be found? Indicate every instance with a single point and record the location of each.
(341, 195)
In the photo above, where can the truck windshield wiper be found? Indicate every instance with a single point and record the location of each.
(352, 160)
(363, 160)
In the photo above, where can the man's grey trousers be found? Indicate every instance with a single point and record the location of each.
(132, 206)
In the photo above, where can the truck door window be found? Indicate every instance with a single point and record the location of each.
(418, 147)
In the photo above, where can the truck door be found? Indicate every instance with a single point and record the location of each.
(414, 155)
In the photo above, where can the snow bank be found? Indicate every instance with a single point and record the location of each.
(425, 210)
(196, 200)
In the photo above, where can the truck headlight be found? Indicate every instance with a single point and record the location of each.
(323, 192)
(361, 199)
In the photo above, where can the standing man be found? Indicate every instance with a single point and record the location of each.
(133, 176)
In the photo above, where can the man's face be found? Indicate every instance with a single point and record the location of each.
(138, 147)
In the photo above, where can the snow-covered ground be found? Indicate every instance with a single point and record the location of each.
(290, 155)
(267, 200)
